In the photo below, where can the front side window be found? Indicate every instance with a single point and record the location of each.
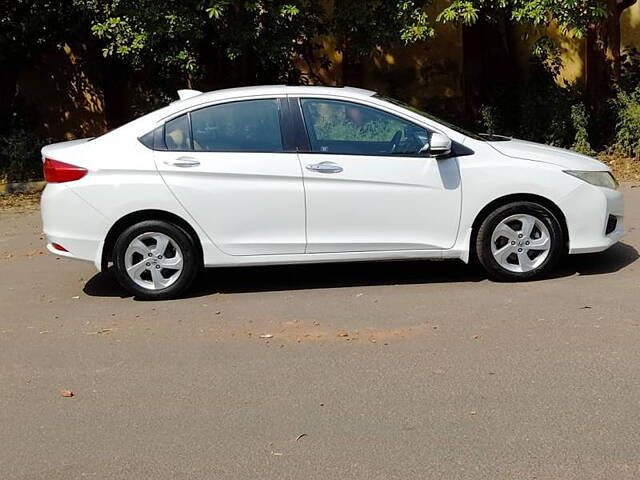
(349, 128)
(246, 126)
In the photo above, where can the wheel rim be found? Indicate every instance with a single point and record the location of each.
(154, 261)
(520, 243)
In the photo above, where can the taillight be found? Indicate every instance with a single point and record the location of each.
(60, 172)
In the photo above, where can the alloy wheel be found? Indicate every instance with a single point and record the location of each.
(154, 261)
(520, 243)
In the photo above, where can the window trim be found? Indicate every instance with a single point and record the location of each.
(355, 102)
(298, 125)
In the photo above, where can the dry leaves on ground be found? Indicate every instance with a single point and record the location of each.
(20, 201)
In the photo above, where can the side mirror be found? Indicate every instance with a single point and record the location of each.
(439, 146)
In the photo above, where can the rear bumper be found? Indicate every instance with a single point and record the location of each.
(71, 222)
(588, 211)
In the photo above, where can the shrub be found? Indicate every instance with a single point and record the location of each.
(489, 118)
(580, 120)
(20, 156)
(627, 141)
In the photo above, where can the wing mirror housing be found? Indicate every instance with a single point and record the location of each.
(439, 146)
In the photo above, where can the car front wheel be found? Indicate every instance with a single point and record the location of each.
(520, 241)
(155, 260)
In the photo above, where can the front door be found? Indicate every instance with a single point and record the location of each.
(368, 186)
(226, 165)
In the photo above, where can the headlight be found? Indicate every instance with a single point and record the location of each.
(599, 179)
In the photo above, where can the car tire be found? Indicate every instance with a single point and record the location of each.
(520, 241)
(155, 260)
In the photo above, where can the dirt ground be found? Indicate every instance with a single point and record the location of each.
(402, 370)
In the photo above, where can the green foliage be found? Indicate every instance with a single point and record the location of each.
(630, 69)
(20, 156)
(141, 31)
(580, 120)
(573, 16)
(366, 24)
(27, 27)
(267, 35)
(539, 110)
(489, 119)
(627, 141)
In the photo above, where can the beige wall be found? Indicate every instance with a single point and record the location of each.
(573, 50)
(631, 26)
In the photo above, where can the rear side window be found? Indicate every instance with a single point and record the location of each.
(246, 126)
(177, 134)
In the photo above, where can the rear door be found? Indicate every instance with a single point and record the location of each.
(369, 187)
(226, 164)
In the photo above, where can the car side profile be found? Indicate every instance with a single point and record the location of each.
(282, 175)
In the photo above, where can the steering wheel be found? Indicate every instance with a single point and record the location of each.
(395, 141)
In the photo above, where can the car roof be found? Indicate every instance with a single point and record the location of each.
(195, 98)
(283, 90)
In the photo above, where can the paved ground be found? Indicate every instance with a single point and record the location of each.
(443, 374)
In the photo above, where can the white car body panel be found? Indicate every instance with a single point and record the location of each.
(252, 209)
(382, 203)
(244, 208)
(536, 152)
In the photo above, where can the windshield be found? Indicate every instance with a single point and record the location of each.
(455, 128)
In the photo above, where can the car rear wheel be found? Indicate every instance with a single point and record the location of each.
(520, 241)
(155, 260)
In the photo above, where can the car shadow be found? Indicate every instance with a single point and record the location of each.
(361, 274)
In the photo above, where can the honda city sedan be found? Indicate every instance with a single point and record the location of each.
(283, 175)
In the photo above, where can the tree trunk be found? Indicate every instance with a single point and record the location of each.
(115, 80)
(603, 45)
(8, 88)
(490, 67)
(352, 73)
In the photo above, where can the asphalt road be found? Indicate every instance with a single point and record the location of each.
(442, 374)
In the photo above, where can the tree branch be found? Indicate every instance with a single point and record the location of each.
(624, 4)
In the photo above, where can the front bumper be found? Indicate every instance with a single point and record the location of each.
(588, 210)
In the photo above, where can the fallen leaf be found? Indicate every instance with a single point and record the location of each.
(67, 393)
(343, 334)
(102, 331)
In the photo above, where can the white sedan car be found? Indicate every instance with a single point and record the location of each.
(281, 175)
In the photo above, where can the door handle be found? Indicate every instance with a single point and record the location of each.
(325, 167)
(183, 162)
